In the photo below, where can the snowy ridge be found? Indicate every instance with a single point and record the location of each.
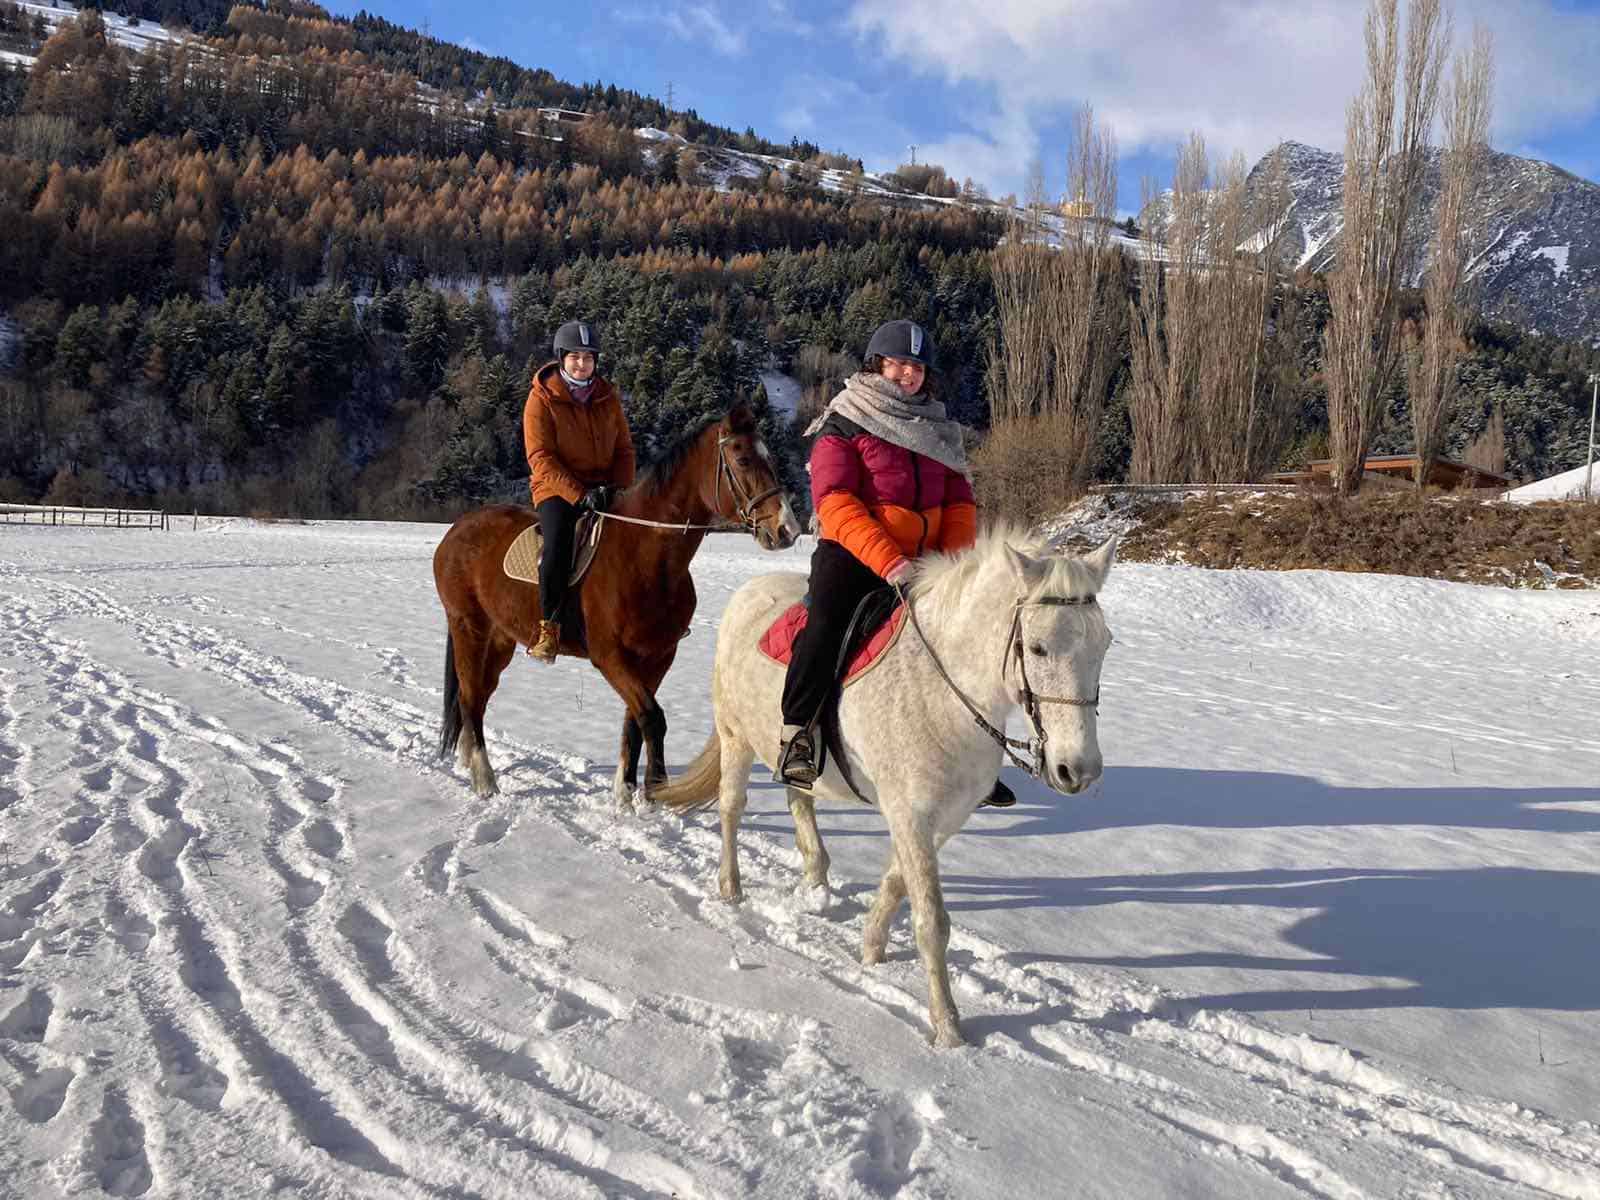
(242, 894)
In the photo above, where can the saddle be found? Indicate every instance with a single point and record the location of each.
(522, 556)
(873, 630)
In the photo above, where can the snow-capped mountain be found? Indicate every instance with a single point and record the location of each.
(1534, 242)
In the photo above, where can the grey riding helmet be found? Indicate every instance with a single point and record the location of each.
(902, 339)
(577, 335)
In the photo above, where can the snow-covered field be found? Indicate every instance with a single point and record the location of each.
(1328, 927)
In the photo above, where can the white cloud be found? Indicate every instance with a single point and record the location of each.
(697, 23)
(1245, 73)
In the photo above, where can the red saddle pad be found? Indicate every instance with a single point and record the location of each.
(778, 642)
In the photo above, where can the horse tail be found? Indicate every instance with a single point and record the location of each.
(697, 786)
(450, 721)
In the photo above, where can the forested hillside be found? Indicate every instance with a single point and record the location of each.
(291, 264)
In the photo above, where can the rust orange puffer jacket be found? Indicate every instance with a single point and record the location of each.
(884, 503)
(573, 447)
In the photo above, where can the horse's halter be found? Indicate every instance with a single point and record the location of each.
(745, 505)
(1031, 701)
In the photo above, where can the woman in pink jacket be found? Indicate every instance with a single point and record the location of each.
(888, 483)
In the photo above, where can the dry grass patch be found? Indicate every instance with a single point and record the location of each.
(1436, 536)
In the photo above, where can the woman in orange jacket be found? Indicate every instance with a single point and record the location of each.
(579, 455)
(888, 484)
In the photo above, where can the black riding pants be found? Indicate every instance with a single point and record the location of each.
(839, 582)
(557, 520)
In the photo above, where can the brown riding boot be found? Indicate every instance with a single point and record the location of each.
(549, 642)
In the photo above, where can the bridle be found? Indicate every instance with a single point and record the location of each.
(745, 505)
(1031, 701)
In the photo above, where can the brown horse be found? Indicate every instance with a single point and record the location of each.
(636, 601)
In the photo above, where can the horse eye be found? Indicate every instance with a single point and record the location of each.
(1037, 648)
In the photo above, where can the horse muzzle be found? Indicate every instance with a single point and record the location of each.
(1071, 776)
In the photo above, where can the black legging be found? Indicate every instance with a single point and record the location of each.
(839, 582)
(557, 520)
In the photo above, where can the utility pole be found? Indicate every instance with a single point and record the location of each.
(1588, 473)
(913, 149)
(669, 97)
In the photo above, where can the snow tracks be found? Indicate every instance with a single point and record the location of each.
(212, 983)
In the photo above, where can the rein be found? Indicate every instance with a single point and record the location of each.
(745, 506)
(1031, 701)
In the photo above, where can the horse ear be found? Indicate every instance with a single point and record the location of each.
(1023, 567)
(1099, 560)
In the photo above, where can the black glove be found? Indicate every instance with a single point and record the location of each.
(597, 499)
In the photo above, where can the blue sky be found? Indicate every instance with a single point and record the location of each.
(984, 88)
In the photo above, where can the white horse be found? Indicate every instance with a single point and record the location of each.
(1005, 624)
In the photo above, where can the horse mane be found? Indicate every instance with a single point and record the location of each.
(655, 476)
(953, 574)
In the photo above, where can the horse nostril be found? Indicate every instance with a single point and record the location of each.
(1064, 774)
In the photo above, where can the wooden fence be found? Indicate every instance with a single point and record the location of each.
(66, 514)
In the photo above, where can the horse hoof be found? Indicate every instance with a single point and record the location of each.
(731, 892)
(947, 1038)
(871, 956)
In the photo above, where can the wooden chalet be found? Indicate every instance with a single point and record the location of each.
(1401, 469)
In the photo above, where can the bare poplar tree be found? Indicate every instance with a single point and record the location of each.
(1241, 274)
(1169, 326)
(1086, 322)
(1386, 130)
(1446, 287)
(1060, 314)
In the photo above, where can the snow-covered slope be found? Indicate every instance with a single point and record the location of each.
(1534, 245)
(1569, 485)
(1326, 929)
(135, 35)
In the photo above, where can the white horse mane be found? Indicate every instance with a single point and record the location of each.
(951, 575)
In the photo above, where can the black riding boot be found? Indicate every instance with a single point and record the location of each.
(797, 760)
(1001, 797)
(839, 581)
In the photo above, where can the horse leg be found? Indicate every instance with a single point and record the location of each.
(892, 890)
(814, 854)
(919, 866)
(637, 690)
(497, 654)
(471, 652)
(655, 727)
(737, 759)
(616, 669)
(626, 784)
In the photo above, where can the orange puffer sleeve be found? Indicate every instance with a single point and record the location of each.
(837, 479)
(847, 520)
(958, 527)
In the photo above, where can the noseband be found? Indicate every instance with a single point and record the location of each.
(1031, 701)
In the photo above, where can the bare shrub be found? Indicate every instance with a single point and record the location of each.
(1020, 474)
(821, 373)
(1487, 451)
(41, 137)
